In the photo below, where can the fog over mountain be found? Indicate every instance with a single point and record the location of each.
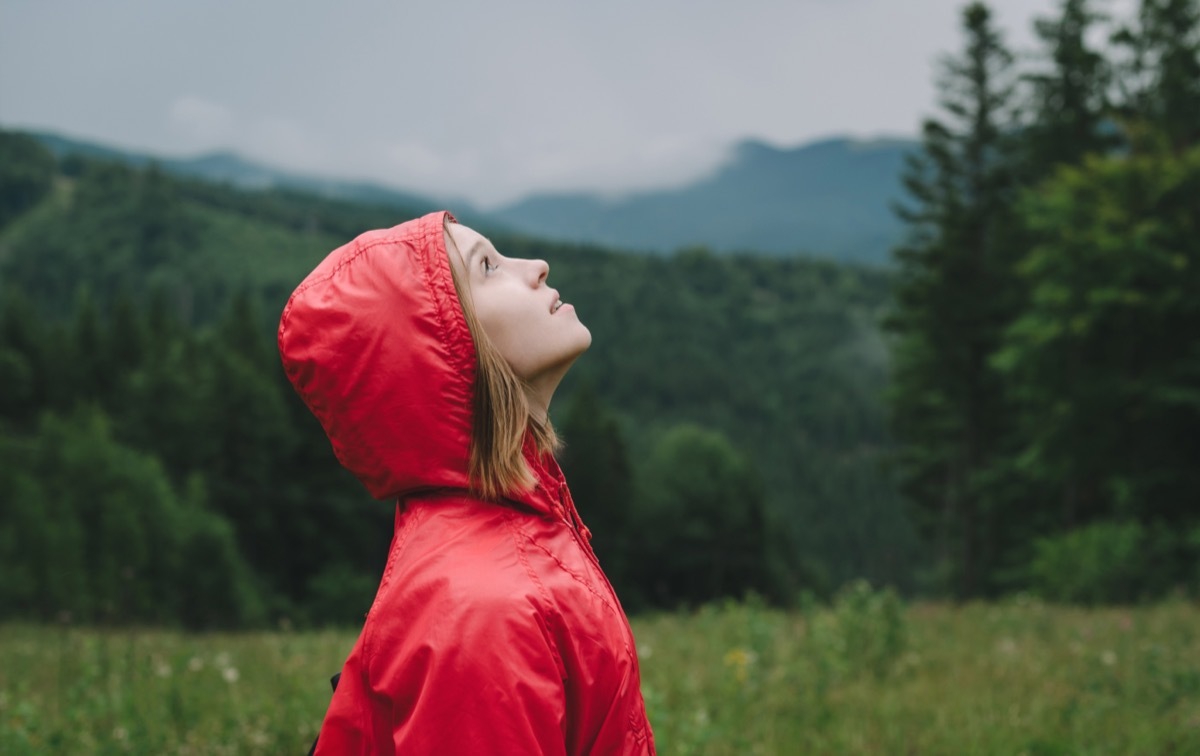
(829, 198)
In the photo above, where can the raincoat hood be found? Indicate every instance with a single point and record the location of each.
(375, 342)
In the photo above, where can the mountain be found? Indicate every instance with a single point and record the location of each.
(828, 198)
(230, 168)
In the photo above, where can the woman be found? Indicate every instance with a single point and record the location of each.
(430, 359)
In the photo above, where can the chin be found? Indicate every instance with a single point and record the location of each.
(585, 341)
(577, 349)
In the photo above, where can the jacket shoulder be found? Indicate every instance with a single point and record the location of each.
(458, 569)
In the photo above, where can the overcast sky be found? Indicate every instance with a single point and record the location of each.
(487, 100)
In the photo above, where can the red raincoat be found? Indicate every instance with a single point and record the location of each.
(494, 630)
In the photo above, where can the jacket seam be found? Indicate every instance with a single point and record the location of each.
(523, 556)
(436, 284)
(369, 627)
(579, 579)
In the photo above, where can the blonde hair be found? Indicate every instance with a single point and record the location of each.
(501, 414)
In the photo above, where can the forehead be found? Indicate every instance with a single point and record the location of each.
(467, 247)
(467, 240)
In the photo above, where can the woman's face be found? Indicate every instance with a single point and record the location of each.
(538, 334)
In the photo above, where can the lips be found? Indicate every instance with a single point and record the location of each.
(555, 303)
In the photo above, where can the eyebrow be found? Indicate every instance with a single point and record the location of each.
(471, 253)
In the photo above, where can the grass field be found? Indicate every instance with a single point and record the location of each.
(864, 676)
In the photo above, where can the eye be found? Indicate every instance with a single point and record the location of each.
(488, 267)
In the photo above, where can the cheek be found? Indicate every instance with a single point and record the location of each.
(509, 329)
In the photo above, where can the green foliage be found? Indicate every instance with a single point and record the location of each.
(339, 596)
(783, 357)
(216, 587)
(1106, 562)
(94, 531)
(955, 291)
(26, 174)
(864, 631)
(596, 464)
(1105, 360)
(701, 524)
(1046, 364)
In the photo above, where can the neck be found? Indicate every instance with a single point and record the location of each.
(539, 403)
(540, 391)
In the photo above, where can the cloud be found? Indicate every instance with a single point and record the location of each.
(284, 141)
(201, 121)
(203, 124)
(419, 161)
(494, 177)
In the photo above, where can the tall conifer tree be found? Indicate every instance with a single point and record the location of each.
(954, 295)
(1158, 81)
(1069, 115)
(1069, 92)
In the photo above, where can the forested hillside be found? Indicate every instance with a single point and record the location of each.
(729, 411)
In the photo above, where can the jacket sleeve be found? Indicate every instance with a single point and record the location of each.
(476, 677)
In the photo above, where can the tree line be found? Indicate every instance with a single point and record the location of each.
(1045, 391)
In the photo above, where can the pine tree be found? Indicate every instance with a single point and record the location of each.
(954, 296)
(1070, 117)
(1158, 81)
(1069, 107)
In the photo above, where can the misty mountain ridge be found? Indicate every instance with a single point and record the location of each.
(828, 198)
(227, 167)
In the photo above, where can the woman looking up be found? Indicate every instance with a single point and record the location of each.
(430, 359)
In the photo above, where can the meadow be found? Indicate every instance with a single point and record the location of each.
(867, 674)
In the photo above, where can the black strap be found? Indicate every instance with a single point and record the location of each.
(333, 681)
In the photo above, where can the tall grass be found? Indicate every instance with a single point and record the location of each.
(1013, 678)
(863, 676)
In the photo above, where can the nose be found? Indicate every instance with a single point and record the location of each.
(541, 269)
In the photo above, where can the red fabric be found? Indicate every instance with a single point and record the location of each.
(494, 630)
